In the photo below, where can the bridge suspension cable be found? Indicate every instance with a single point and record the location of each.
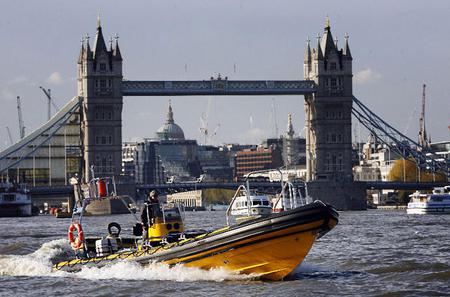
(395, 140)
(21, 150)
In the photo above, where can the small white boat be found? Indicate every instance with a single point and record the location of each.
(436, 203)
(15, 201)
(251, 205)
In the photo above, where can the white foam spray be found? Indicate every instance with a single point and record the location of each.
(39, 263)
(158, 271)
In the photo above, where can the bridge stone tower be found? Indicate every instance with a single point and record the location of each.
(328, 115)
(99, 83)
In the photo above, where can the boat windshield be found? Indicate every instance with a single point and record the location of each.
(260, 202)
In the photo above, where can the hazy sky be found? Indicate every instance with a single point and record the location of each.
(396, 46)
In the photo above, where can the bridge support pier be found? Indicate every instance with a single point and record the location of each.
(342, 195)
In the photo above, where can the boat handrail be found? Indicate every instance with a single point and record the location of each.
(230, 206)
(122, 199)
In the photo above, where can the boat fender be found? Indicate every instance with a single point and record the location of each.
(112, 232)
(77, 242)
(102, 191)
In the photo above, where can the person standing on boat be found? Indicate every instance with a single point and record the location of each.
(149, 212)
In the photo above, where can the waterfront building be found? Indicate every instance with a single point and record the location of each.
(169, 156)
(177, 154)
(376, 162)
(52, 164)
(442, 149)
(249, 160)
(215, 163)
(190, 199)
(128, 152)
(147, 163)
(178, 159)
(232, 149)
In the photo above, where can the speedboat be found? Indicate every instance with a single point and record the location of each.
(15, 200)
(436, 203)
(268, 246)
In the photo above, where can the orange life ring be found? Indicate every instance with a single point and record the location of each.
(76, 243)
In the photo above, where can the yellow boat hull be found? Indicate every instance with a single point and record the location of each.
(271, 256)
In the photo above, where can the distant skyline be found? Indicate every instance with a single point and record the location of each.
(396, 47)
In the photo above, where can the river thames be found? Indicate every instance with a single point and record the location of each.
(371, 253)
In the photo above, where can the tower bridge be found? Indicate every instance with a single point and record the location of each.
(89, 127)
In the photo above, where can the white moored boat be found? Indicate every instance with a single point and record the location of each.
(251, 205)
(436, 203)
(15, 200)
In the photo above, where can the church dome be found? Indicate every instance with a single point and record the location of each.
(170, 130)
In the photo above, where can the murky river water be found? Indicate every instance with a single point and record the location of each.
(373, 253)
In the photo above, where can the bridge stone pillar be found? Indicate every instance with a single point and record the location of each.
(99, 83)
(328, 115)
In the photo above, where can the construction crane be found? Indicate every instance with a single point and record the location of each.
(214, 133)
(204, 129)
(50, 102)
(11, 141)
(21, 125)
(274, 117)
(423, 141)
(204, 123)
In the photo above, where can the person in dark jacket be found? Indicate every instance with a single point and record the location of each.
(151, 206)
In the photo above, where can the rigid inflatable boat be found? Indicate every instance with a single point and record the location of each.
(269, 246)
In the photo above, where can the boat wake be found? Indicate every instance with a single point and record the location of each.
(39, 264)
(159, 271)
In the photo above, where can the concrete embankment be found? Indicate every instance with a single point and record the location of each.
(391, 207)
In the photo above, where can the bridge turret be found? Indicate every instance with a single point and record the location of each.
(327, 44)
(347, 54)
(117, 56)
(307, 62)
(328, 111)
(99, 83)
(99, 44)
(328, 120)
(89, 55)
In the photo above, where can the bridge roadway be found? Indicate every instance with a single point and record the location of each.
(177, 187)
(218, 86)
